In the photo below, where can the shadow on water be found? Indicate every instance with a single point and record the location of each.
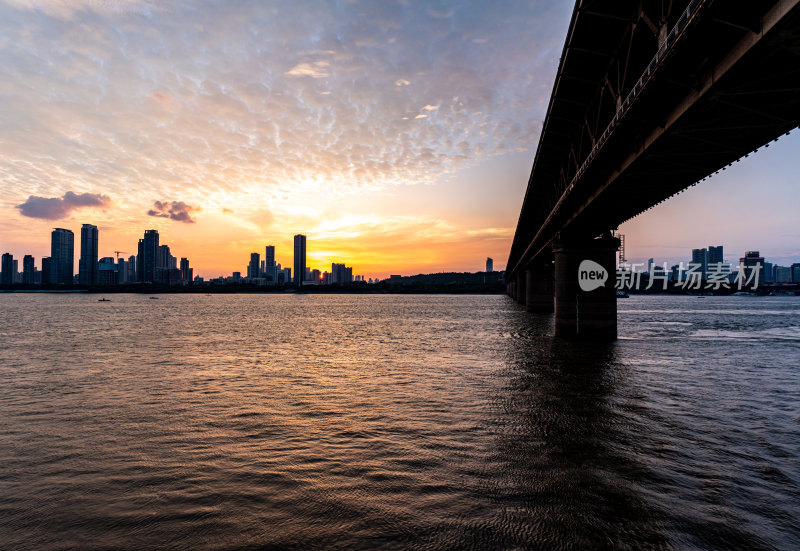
(572, 474)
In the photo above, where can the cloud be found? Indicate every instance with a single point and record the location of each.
(262, 219)
(238, 103)
(316, 69)
(55, 208)
(174, 210)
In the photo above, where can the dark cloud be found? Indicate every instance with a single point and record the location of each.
(55, 208)
(174, 210)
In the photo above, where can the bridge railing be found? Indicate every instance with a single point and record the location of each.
(673, 37)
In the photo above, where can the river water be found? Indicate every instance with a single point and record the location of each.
(398, 422)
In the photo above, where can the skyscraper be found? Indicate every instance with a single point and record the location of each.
(253, 266)
(147, 260)
(87, 264)
(715, 254)
(131, 266)
(122, 271)
(7, 269)
(269, 264)
(700, 257)
(751, 262)
(46, 270)
(341, 273)
(489, 265)
(299, 259)
(28, 269)
(186, 271)
(107, 272)
(62, 256)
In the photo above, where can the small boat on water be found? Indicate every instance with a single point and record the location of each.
(104, 299)
(153, 298)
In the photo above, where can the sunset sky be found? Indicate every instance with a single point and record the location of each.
(398, 136)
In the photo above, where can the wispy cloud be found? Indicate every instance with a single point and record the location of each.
(251, 105)
(316, 69)
(144, 100)
(56, 208)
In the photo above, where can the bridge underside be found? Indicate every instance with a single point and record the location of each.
(724, 81)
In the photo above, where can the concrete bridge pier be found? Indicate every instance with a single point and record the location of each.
(585, 294)
(539, 288)
(520, 289)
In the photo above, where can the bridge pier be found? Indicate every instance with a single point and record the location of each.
(585, 294)
(520, 290)
(539, 288)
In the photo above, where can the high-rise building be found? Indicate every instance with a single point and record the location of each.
(700, 257)
(28, 270)
(46, 271)
(107, 272)
(122, 271)
(186, 271)
(7, 269)
(341, 273)
(783, 274)
(752, 260)
(269, 264)
(769, 275)
(796, 273)
(299, 259)
(164, 256)
(147, 260)
(252, 267)
(489, 265)
(62, 256)
(715, 254)
(131, 266)
(87, 263)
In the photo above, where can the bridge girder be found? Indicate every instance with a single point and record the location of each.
(653, 143)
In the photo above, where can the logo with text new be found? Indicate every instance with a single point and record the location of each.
(591, 275)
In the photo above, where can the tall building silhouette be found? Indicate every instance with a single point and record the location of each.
(62, 256)
(714, 254)
(341, 273)
(299, 259)
(87, 264)
(489, 265)
(122, 271)
(46, 270)
(254, 265)
(269, 264)
(28, 269)
(131, 267)
(753, 261)
(7, 269)
(186, 271)
(700, 257)
(147, 259)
